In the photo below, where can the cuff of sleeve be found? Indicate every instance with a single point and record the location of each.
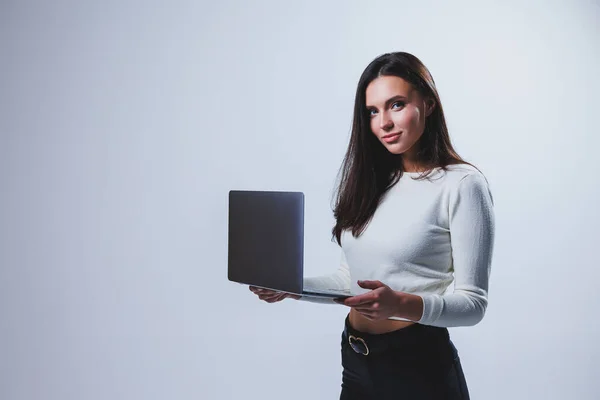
(433, 305)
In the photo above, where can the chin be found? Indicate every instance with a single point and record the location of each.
(395, 149)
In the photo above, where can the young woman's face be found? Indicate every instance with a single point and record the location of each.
(397, 113)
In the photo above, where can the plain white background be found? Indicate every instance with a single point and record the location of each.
(124, 124)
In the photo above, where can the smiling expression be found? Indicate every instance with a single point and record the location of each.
(397, 114)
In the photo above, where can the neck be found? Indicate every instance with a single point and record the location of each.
(410, 162)
(413, 166)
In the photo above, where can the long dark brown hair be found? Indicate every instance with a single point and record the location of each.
(369, 170)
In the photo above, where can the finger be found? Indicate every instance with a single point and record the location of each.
(276, 298)
(370, 313)
(265, 291)
(272, 296)
(371, 307)
(272, 300)
(367, 315)
(281, 297)
(370, 284)
(366, 312)
(268, 296)
(361, 299)
(284, 295)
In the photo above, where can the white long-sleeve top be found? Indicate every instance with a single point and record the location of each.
(433, 238)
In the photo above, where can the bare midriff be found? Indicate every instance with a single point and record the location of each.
(362, 324)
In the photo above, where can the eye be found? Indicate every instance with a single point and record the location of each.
(372, 112)
(398, 104)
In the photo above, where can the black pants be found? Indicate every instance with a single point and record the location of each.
(418, 362)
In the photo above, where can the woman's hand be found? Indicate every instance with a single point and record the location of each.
(272, 296)
(382, 302)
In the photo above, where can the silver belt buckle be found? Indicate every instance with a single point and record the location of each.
(353, 340)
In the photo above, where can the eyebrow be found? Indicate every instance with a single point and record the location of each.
(391, 100)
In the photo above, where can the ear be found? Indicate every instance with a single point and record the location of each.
(429, 106)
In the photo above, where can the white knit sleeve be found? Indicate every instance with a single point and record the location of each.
(472, 227)
(340, 279)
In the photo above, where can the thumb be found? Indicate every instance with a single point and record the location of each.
(370, 284)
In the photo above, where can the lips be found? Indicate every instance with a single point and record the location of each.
(391, 137)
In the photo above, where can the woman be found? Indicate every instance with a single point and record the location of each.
(412, 218)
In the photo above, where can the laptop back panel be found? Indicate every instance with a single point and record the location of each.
(266, 239)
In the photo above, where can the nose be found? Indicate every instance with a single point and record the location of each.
(385, 122)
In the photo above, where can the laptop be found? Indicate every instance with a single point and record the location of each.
(266, 242)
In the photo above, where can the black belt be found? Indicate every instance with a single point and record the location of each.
(414, 337)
